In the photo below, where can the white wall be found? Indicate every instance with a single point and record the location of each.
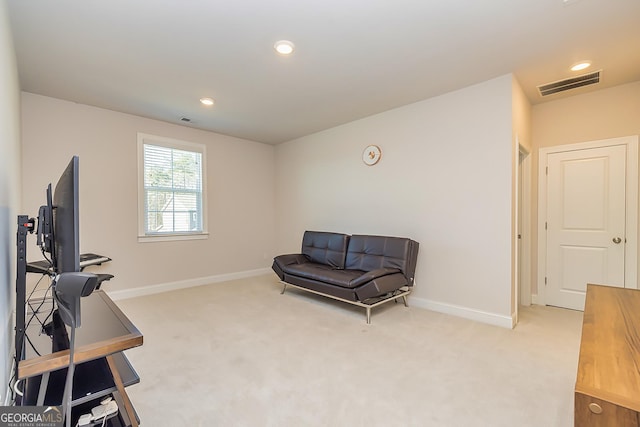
(445, 180)
(602, 114)
(521, 140)
(240, 180)
(9, 192)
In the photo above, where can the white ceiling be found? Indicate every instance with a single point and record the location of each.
(353, 58)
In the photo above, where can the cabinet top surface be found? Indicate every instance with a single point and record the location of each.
(609, 362)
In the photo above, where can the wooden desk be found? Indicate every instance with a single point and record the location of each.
(105, 332)
(607, 392)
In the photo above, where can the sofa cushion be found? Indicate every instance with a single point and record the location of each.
(381, 286)
(324, 273)
(325, 248)
(322, 287)
(373, 252)
(374, 274)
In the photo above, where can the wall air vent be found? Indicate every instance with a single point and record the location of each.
(572, 83)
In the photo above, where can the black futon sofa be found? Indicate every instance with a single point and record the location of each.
(362, 270)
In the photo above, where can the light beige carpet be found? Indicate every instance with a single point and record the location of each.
(240, 354)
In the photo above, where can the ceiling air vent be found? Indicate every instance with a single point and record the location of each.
(572, 83)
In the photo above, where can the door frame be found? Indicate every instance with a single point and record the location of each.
(524, 222)
(631, 200)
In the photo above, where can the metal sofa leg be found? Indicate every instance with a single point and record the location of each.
(368, 307)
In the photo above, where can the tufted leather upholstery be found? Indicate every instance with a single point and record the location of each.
(325, 248)
(368, 253)
(350, 267)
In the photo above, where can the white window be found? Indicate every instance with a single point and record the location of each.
(171, 189)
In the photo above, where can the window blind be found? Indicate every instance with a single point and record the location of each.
(172, 190)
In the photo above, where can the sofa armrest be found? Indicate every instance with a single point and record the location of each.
(281, 262)
(288, 259)
(373, 274)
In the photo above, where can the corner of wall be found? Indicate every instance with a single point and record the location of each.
(9, 190)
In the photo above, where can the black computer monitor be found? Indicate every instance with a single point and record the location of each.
(45, 232)
(70, 284)
(66, 243)
(58, 234)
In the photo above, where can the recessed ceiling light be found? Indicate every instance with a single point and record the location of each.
(207, 101)
(581, 65)
(284, 47)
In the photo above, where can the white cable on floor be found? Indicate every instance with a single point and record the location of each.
(15, 388)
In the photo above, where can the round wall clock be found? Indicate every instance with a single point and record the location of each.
(371, 155)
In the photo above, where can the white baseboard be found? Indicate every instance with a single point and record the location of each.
(6, 397)
(464, 312)
(7, 393)
(6, 400)
(534, 299)
(183, 284)
(455, 310)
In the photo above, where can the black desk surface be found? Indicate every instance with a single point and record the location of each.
(86, 260)
(104, 330)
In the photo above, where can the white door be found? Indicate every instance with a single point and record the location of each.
(585, 222)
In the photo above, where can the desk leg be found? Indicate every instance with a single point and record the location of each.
(128, 407)
(44, 383)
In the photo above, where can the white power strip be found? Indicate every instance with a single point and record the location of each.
(106, 408)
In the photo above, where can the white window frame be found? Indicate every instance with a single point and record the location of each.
(161, 141)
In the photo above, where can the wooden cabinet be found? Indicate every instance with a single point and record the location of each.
(607, 392)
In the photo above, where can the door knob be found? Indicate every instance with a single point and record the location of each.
(617, 240)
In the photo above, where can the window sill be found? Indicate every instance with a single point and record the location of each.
(172, 237)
